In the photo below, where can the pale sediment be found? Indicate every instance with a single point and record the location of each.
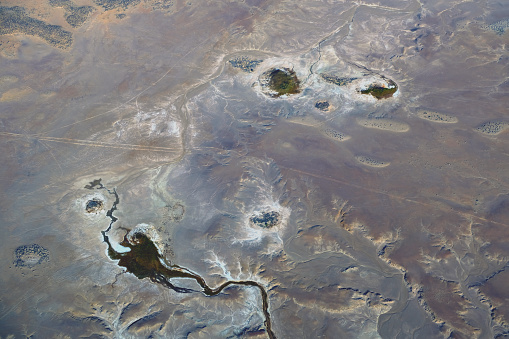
(368, 161)
(384, 124)
(437, 117)
(333, 134)
(15, 94)
(492, 127)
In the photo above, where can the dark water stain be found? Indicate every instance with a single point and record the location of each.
(144, 261)
(93, 184)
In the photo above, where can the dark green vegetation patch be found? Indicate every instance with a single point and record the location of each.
(381, 92)
(94, 205)
(112, 4)
(14, 20)
(162, 5)
(499, 27)
(337, 80)
(78, 15)
(30, 255)
(322, 105)
(60, 3)
(492, 127)
(283, 81)
(245, 64)
(266, 219)
(75, 16)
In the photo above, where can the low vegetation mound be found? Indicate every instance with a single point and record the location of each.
(113, 4)
(381, 92)
(246, 64)
(492, 127)
(30, 255)
(339, 81)
(283, 81)
(266, 219)
(322, 105)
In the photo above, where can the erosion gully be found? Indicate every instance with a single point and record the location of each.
(144, 261)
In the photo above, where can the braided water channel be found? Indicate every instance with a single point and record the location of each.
(144, 261)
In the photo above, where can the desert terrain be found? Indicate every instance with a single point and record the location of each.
(254, 169)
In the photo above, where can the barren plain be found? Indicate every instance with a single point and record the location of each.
(255, 168)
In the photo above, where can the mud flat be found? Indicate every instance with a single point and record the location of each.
(384, 124)
(492, 127)
(371, 162)
(333, 134)
(437, 117)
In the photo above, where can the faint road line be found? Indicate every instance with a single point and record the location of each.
(470, 215)
(81, 142)
(135, 98)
